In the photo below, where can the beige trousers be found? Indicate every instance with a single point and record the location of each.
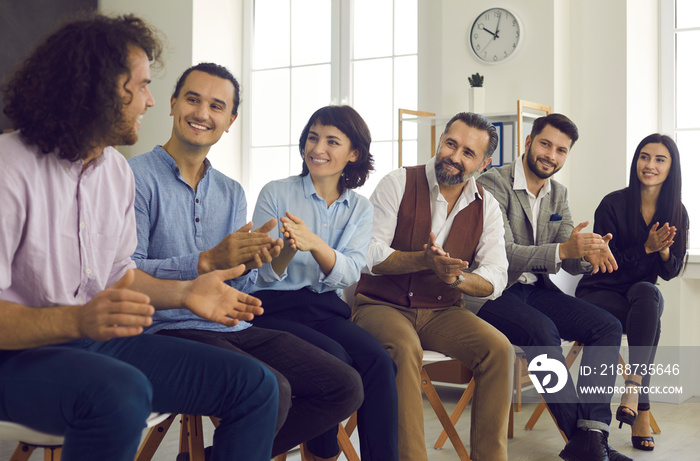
(457, 332)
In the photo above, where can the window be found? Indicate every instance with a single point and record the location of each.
(306, 54)
(686, 98)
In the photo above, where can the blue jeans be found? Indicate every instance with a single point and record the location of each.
(536, 319)
(98, 395)
(322, 320)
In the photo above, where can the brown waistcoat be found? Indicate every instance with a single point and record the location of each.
(424, 289)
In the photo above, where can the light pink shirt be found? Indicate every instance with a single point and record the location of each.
(65, 234)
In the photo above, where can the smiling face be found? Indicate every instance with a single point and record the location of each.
(136, 97)
(653, 164)
(203, 110)
(326, 152)
(546, 153)
(461, 154)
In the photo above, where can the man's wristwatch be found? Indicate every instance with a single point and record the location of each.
(459, 280)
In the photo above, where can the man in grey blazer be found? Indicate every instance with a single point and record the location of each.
(540, 240)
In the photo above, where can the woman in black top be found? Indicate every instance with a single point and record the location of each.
(649, 225)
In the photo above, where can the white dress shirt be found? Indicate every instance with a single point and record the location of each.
(490, 261)
(520, 183)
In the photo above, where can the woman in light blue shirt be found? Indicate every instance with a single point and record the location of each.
(326, 228)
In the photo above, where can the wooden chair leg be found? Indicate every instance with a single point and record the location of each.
(439, 409)
(305, 453)
(153, 439)
(351, 424)
(535, 415)
(346, 445)
(652, 422)
(52, 454)
(193, 435)
(511, 421)
(518, 383)
(457, 412)
(22, 452)
(570, 359)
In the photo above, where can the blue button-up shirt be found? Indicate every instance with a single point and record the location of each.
(346, 226)
(175, 224)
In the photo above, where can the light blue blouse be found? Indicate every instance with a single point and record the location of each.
(346, 226)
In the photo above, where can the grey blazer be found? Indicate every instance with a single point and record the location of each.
(554, 225)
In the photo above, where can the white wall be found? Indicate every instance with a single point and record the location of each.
(174, 20)
(195, 31)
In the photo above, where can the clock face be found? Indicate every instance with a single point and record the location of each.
(496, 35)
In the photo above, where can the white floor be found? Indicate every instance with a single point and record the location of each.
(679, 440)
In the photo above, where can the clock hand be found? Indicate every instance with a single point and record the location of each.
(497, 26)
(494, 35)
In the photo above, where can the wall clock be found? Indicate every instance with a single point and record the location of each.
(496, 35)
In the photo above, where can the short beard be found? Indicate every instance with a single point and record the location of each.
(451, 179)
(532, 164)
(122, 134)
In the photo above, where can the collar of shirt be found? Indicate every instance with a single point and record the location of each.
(441, 223)
(74, 169)
(520, 183)
(310, 190)
(170, 161)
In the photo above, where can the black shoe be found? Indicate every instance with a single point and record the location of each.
(615, 455)
(625, 415)
(186, 456)
(638, 442)
(586, 445)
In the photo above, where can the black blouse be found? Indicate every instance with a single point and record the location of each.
(627, 245)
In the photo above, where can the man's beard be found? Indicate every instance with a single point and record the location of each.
(123, 133)
(532, 164)
(448, 179)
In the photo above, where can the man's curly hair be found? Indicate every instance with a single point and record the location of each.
(64, 96)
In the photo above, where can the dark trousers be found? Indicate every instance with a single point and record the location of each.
(322, 320)
(639, 311)
(536, 319)
(98, 395)
(325, 390)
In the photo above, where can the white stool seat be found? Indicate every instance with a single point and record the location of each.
(18, 432)
(434, 357)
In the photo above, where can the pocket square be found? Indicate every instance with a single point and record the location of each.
(555, 217)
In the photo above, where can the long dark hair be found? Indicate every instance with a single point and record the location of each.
(64, 97)
(669, 207)
(347, 120)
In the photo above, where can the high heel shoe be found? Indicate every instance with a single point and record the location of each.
(638, 440)
(625, 414)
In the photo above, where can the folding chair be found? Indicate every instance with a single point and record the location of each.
(570, 359)
(344, 443)
(191, 438)
(31, 439)
(430, 357)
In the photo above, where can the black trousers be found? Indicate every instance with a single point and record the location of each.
(325, 390)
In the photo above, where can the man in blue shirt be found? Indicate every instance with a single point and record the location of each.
(191, 220)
